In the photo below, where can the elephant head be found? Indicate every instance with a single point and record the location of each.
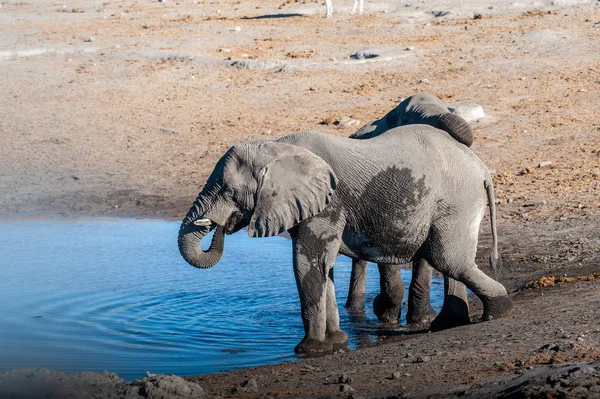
(267, 186)
(421, 108)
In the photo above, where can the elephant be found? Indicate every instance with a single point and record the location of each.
(340, 195)
(420, 108)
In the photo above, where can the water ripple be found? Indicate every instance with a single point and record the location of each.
(115, 294)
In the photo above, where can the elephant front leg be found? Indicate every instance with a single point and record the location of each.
(420, 312)
(355, 302)
(314, 255)
(455, 311)
(386, 305)
(337, 337)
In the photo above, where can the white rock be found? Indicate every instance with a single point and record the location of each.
(346, 121)
(544, 163)
(468, 110)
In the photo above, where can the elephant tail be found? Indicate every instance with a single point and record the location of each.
(495, 259)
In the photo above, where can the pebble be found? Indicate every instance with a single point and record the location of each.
(424, 81)
(422, 359)
(396, 375)
(538, 203)
(347, 121)
(346, 388)
(410, 48)
(544, 163)
(224, 50)
(363, 55)
(237, 29)
(90, 40)
(344, 379)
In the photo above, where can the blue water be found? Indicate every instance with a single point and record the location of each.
(114, 294)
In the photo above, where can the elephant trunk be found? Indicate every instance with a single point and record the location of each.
(457, 127)
(190, 238)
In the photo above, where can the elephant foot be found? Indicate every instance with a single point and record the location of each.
(422, 317)
(338, 339)
(496, 307)
(455, 312)
(309, 345)
(355, 304)
(386, 311)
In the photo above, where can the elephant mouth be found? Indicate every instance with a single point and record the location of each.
(233, 224)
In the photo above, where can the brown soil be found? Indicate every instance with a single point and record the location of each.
(123, 108)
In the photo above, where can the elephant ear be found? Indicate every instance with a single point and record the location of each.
(377, 127)
(294, 186)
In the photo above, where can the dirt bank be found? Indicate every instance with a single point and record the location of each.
(122, 108)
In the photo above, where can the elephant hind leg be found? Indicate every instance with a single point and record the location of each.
(355, 303)
(420, 313)
(386, 305)
(454, 256)
(455, 311)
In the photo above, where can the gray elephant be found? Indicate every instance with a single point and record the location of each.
(339, 195)
(420, 108)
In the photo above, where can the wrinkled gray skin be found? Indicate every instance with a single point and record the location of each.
(338, 195)
(426, 109)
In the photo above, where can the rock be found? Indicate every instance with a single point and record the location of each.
(424, 81)
(260, 65)
(539, 203)
(477, 15)
(439, 14)
(249, 385)
(468, 110)
(347, 121)
(544, 163)
(422, 359)
(344, 379)
(36, 383)
(346, 388)
(396, 375)
(237, 29)
(363, 55)
(90, 40)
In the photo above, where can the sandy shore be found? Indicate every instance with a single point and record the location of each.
(123, 108)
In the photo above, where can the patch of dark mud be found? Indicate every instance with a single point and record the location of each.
(43, 383)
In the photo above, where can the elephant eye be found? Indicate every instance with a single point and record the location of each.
(229, 191)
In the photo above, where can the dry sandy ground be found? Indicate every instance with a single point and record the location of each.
(123, 108)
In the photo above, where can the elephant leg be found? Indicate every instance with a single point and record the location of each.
(420, 312)
(454, 256)
(355, 302)
(386, 305)
(314, 252)
(455, 311)
(337, 337)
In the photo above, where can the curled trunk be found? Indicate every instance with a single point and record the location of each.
(190, 238)
(457, 127)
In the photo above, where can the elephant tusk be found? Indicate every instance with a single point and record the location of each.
(203, 222)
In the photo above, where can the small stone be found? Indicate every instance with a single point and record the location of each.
(539, 203)
(224, 50)
(347, 121)
(410, 48)
(90, 40)
(422, 359)
(346, 388)
(424, 81)
(249, 385)
(162, 1)
(477, 15)
(509, 201)
(344, 379)
(544, 163)
(396, 375)
(237, 29)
